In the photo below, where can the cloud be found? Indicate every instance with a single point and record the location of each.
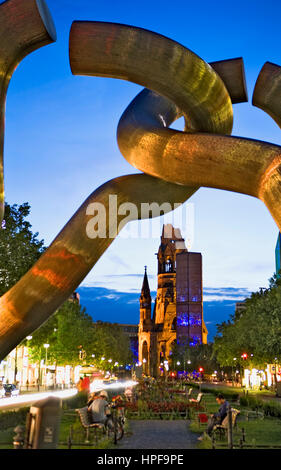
(130, 283)
(114, 305)
(118, 261)
(219, 294)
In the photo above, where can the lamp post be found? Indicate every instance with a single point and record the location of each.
(16, 365)
(234, 359)
(46, 346)
(144, 365)
(29, 338)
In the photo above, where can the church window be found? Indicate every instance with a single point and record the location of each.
(182, 319)
(195, 340)
(195, 320)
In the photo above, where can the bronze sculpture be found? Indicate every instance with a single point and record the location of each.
(24, 27)
(174, 163)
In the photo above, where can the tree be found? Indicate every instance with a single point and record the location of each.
(254, 331)
(75, 339)
(193, 357)
(68, 331)
(111, 344)
(19, 247)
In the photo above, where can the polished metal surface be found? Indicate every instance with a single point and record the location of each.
(72, 255)
(156, 62)
(25, 25)
(175, 163)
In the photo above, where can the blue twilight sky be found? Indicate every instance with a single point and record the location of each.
(60, 141)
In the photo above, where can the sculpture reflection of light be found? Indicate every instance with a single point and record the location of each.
(98, 385)
(32, 397)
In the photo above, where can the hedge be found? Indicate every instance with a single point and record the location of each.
(11, 419)
(232, 396)
(268, 407)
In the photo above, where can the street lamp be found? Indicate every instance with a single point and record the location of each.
(46, 346)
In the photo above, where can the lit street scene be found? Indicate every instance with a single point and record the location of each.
(140, 229)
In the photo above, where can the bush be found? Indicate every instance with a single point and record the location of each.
(11, 419)
(77, 401)
(228, 394)
(269, 408)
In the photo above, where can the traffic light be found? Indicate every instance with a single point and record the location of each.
(244, 355)
(201, 369)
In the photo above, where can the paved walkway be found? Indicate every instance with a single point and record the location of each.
(158, 434)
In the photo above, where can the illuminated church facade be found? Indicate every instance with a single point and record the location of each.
(177, 315)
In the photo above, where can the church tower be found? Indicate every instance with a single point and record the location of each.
(178, 310)
(145, 302)
(145, 325)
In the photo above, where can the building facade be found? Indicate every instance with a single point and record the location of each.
(177, 316)
(131, 330)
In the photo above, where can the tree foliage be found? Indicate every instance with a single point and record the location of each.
(193, 357)
(75, 339)
(19, 246)
(255, 330)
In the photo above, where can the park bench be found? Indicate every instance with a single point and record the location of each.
(223, 427)
(198, 399)
(87, 424)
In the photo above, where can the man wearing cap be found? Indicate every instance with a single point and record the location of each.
(99, 409)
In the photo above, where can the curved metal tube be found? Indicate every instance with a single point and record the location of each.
(266, 96)
(156, 62)
(185, 160)
(267, 91)
(232, 163)
(224, 162)
(25, 25)
(72, 255)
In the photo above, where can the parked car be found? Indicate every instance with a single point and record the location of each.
(9, 390)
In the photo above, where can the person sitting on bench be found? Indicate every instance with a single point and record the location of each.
(217, 418)
(99, 410)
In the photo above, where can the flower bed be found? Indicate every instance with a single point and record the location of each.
(162, 409)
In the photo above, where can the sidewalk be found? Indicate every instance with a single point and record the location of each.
(158, 434)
